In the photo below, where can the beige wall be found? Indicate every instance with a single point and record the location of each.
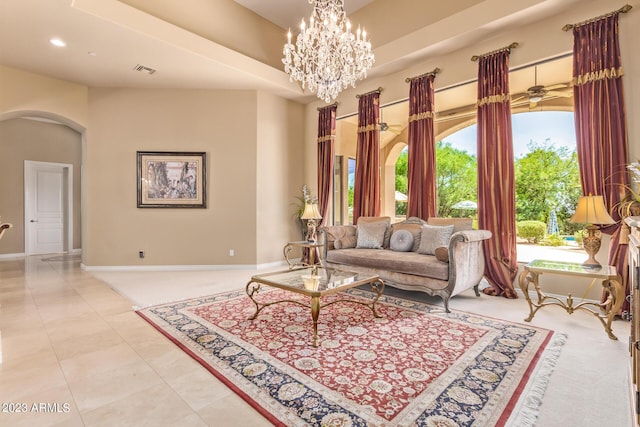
(253, 144)
(246, 137)
(20, 140)
(279, 174)
(28, 93)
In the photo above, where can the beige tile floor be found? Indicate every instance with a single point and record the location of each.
(68, 338)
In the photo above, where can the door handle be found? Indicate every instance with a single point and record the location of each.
(34, 220)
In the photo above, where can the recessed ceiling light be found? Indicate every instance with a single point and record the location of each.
(57, 42)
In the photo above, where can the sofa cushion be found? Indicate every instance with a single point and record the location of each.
(383, 219)
(459, 224)
(434, 237)
(414, 229)
(401, 241)
(385, 259)
(371, 235)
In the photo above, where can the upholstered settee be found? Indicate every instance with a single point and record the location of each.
(442, 256)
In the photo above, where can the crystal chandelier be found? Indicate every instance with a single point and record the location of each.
(327, 57)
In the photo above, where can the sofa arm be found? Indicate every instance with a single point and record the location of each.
(466, 260)
(470, 236)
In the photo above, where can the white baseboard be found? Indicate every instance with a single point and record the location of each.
(12, 256)
(182, 267)
(23, 255)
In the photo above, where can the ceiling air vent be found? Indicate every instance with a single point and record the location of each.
(144, 69)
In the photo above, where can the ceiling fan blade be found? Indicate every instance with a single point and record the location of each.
(563, 94)
(518, 97)
(557, 86)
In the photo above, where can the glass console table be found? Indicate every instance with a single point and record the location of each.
(611, 284)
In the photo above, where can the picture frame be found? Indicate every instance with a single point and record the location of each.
(172, 179)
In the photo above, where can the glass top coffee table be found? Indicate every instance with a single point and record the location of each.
(316, 283)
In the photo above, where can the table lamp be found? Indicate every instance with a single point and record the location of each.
(591, 210)
(311, 215)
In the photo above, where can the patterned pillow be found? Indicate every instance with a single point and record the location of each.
(433, 237)
(371, 235)
(384, 219)
(401, 241)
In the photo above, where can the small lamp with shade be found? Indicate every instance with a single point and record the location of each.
(311, 214)
(591, 210)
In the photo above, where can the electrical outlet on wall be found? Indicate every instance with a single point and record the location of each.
(141, 254)
(232, 252)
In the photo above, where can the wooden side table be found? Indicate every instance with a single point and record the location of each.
(611, 283)
(311, 246)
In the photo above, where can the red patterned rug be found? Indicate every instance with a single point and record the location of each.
(417, 365)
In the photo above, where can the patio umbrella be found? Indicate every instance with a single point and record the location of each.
(552, 226)
(465, 204)
(401, 197)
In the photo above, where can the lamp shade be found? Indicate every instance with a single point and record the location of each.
(311, 211)
(591, 210)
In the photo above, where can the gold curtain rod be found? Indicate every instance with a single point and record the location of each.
(434, 72)
(335, 104)
(511, 46)
(380, 89)
(624, 9)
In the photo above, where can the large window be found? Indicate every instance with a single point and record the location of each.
(547, 181)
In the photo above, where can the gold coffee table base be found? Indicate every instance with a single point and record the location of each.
(323, 289)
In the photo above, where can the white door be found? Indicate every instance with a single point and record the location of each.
(46, 207)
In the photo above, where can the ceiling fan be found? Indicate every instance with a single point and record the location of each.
(395, 129)
(537, 93)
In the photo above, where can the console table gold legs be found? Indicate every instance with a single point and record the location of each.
(612, 288)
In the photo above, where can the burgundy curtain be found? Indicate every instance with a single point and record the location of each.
(326, 155)
(496, 186)
(366, 199)
(600, 125)
(421, 174)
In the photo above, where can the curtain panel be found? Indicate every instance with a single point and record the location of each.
(326, 156)
(421, 174)
(600, 126)
(496, 185)
(366, 199)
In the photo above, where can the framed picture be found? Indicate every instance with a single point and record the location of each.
(169, 179)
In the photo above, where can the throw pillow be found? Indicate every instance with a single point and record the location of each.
(401, 241)
(433, 237)
(383, 219)
(371, 235)
(442, 254)
(414, 229)
(345, 243)
(338, 232)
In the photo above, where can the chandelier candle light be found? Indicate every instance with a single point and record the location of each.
(327, 57)
(591, 210)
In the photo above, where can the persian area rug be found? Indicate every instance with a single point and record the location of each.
(415, 366)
